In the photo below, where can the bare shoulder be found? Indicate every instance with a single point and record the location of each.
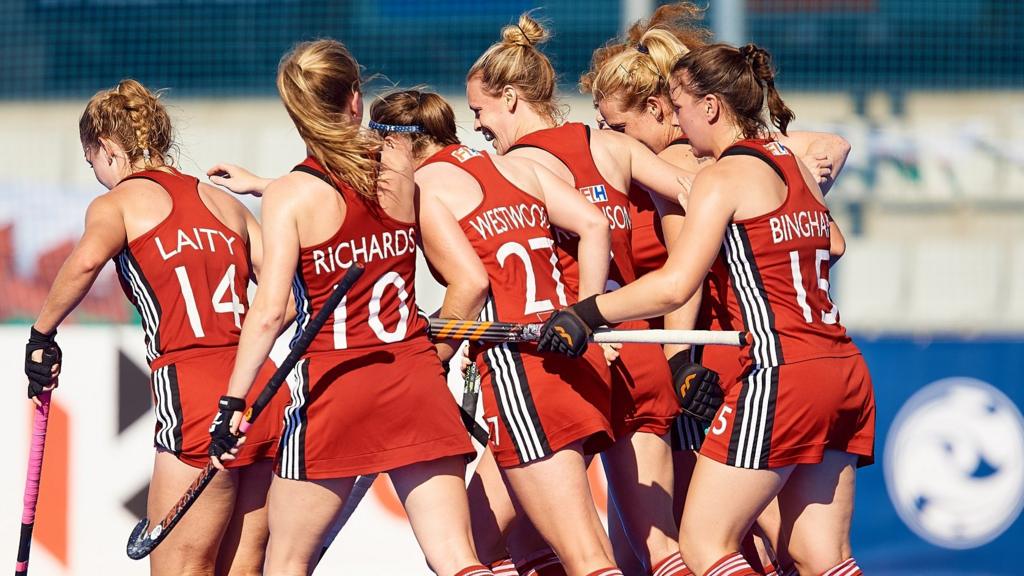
(521, 171)
(742, 171)
(682, 156)
(298, 189)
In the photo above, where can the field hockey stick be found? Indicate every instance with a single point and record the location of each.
(470, 397)
(355, 496)
(35, 470)
(509, 332)
(141, 542)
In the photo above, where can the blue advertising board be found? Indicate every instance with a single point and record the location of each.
(946, 491)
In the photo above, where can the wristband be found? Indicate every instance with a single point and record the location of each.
(588, 311)
(231, 403)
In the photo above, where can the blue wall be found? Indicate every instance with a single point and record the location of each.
(900, 367)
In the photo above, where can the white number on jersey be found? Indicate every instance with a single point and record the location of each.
(532, 304)
(383, 334)
(820, 257)
(234, 306)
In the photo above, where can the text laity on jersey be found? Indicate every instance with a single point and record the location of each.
(801, 224)
(205, 239)
(383, 246)
(504, 218)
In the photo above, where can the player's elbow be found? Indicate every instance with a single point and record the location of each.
(267, 318)
(470, 289)
(836, 247)
(673, 289)
(593, 226)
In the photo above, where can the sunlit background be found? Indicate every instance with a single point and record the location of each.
(930, 93)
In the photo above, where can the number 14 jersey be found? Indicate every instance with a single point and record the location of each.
(187, 276)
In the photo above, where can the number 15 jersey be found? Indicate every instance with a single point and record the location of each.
(187, 276)
(774, 272)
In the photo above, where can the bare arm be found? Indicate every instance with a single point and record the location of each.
(570, 210)
(654, 173)
(238, 179)
(104, 237)
(255, 234)
(823, 153)
(269, 311)
(661, 291)
(452, 256)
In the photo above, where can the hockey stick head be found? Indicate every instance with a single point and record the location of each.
(141, 543)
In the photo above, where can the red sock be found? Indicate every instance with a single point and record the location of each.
(544, 563)
(607, 572)
(475, 570)
(846, 568)
(504, 567)
(731, 565)
(672, 565)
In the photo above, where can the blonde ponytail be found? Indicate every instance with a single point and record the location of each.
(132, 116)
(316, 81)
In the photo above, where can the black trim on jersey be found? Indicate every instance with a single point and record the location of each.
(303, 305)
(586, 128)
(301, 452)
(680, 141)
(151, 328)
(759, 284)
(531, 407)
(738, 418)
(744, 151)
(172, 380)
(769, 418)
(314, 172)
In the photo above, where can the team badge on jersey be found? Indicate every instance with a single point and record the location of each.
(595, 194)
(463, 153)
(777, 149)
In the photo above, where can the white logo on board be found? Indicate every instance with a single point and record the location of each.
(954, 463)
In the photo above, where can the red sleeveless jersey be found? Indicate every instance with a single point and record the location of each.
(772, 274)
(510, 233)
(570, 143)
(187, 276)
(649, 252)
(381, 307)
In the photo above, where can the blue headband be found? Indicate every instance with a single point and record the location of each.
(392, 128)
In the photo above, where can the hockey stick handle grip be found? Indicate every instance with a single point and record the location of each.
(510, 332)
(301, 345)
(40, 419)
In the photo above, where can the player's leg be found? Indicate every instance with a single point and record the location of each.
(555, 494)
(243, 549)
(721, 505)
(491, 510)
(191, 549)
(817, 507)
(299, 514)
(434, 496)
(765, 536)
(640, 477)
(625, 558)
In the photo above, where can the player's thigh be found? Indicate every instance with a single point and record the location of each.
(192, 546)
(721, 505)
(816, 507)
(491, 510)
(244, 545)
(559, 482)
(299, 513)
(434, 496)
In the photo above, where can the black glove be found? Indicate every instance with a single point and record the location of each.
(697, 388)
(568, 330)
(40, 373)
(222, 440)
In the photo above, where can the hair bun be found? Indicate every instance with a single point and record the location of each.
(526, 32)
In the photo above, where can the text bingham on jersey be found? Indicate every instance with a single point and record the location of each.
(800, 224)
(366, 249)
(203, 239)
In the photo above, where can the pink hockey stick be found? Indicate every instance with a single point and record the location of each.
(35, 470)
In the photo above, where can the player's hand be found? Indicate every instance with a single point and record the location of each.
(224, 438)
(820, 164)
(697, 388)
(237, 179)
(611, 352)
(565, 333)
(42, 363)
